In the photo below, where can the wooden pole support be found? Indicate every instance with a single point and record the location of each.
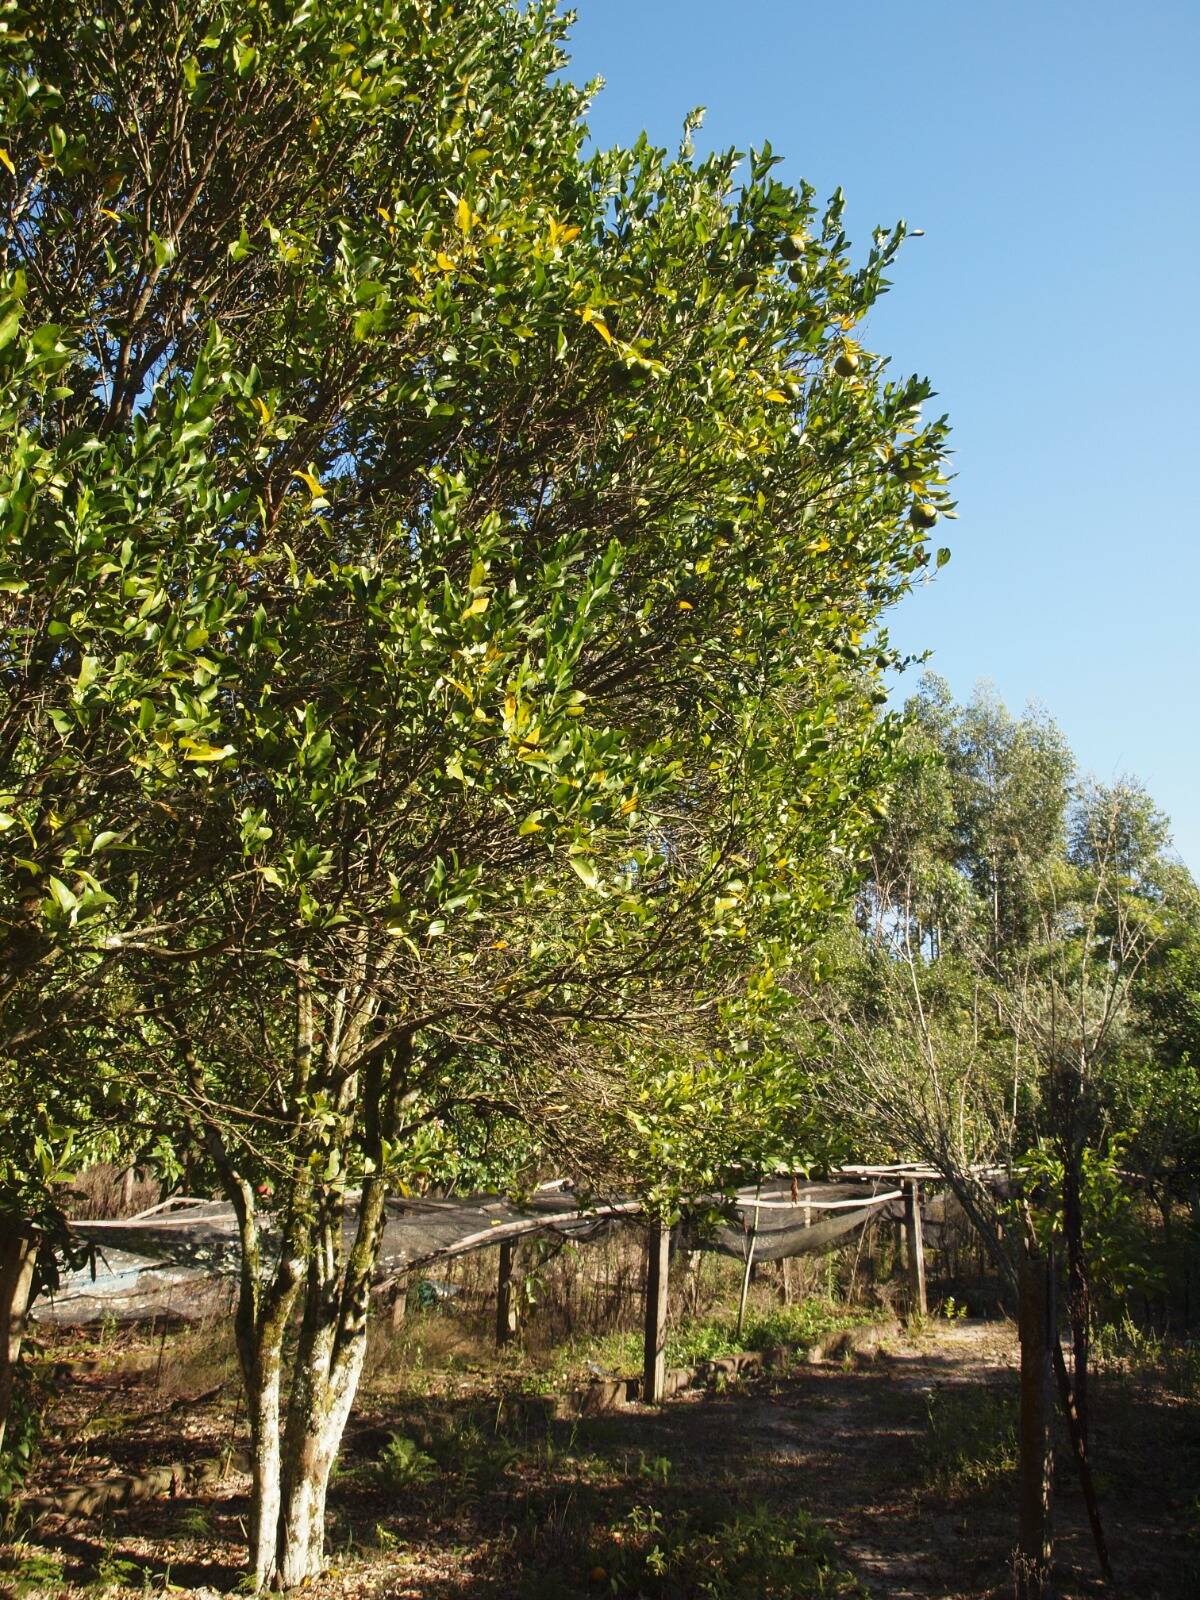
(917, 1304)
(658, 1254)
(1035, 1323)
(506, 1305)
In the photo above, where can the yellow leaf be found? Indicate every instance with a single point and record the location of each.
(685, 605)
(263, 411)
(462, 215)
(777, 395)
(444, 261)
(311, 482)
(499, 944)
(595, 320)
(386, 215)
(477, 607)
(198, 750)
(7, 160)
(629, 805)
(112, 215)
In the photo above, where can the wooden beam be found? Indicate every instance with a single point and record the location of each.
(658, 1254)
(1036, 1326)
(506, 1306)
(914, 1238)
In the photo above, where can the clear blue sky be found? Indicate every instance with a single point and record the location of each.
(1051, 151)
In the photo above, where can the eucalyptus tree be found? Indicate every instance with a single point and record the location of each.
(517, 646)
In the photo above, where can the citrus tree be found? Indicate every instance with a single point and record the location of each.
(508, 697)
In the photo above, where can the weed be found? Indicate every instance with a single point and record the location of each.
(117, 1572)
(804, 1324)
(757, 1555)
(653, 1469)
(32, 1574)
(402, 1463)
(1142, 1354)
(195, 1522)
(970, 1437)
(24, 1428)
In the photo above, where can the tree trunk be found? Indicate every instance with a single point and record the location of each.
(1078, 1287)
(1037, 1458)
(329, 1361)
(18, 1257)
(263, 1385)
(317, 1415)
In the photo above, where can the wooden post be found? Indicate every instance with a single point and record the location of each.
(400, 1303)
(1035, 1322)
(506, 1305)
(917, 1304)
(658, 1254)
(741, 1318)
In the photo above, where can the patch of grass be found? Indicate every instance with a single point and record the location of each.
(1140, 1353)
(759, 1554)
(805, 1324)
(970, 1437)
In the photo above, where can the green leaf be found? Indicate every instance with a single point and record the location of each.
(585, 870)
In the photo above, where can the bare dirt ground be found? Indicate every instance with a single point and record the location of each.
(492, 1500)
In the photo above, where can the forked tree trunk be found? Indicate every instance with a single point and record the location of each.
(329, 1361)
(18, 1258)
(295, 1444)
(264, 1309)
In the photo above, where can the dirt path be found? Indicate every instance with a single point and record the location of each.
(855, 1448)
(902, 1457)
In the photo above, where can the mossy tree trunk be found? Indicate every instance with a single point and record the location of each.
(329, 1361)
(18, 1258)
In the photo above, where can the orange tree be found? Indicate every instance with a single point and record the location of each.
(549, 509)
